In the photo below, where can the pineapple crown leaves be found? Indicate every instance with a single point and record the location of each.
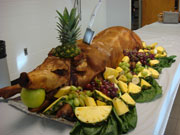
(68, 28)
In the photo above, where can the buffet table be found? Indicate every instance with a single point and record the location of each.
(152, 117)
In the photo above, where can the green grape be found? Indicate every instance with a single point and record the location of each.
(144, 73)
(73, 88)
(89, 93)
(82, 96)
(128, 65)
(129, 79)
(129, 75)
(75, 94)
(126, 70)
(76, 102)
(135, 70)
(138, 65)
(142, 68)
(79, 88)
(123, 67)
(139, 69)
(81, 101)
(70, 96)
(120, 64)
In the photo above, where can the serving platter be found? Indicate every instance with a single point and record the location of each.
(17, 103)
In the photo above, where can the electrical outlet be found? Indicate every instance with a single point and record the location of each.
(25, 51)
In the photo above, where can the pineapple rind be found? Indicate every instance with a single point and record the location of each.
(92, 114)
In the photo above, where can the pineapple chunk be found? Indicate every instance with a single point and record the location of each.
(120, 107)
(52, 104)
(119, 69)
(160, 49)
(122, 78)
(152, 51)
(146, 50)
(110, 71)
(103, 95)
(133, 88)
(153, 45)
(145, 83)
(89, 101)
(92, 114)
(112, 79)
(123, 86)
(144, 44)
(164, 54)
(125, 59)
(153, 62)
(63, 91)
(141, 50)
(100, 103)
(128, 99)
(155, 73)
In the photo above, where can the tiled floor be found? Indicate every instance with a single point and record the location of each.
(173, 126)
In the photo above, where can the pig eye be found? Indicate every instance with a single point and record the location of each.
(60, 72)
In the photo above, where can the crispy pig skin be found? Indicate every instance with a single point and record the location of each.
(51, 74)
(106, 50)
(10, 91)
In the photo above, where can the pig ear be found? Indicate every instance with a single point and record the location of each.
(24, 79)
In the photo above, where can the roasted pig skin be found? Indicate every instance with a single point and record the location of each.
(106, 50)
(51, 74)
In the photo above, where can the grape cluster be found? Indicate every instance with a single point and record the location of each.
(105, 87)
(138, 68)
(136, 56)
(77, 96)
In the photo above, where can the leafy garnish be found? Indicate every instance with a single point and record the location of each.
(164, 62)
(114, 125)
(147, 95)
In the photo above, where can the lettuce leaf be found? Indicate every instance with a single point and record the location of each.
(147, 95)
(164, 62)
(115, 125)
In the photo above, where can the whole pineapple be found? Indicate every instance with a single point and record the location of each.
(69, 32)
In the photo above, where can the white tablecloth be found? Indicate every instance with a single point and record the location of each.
(152, 117)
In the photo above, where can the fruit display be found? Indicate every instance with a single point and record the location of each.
(95, 86)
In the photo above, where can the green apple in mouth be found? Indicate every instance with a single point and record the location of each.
(33, 98)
